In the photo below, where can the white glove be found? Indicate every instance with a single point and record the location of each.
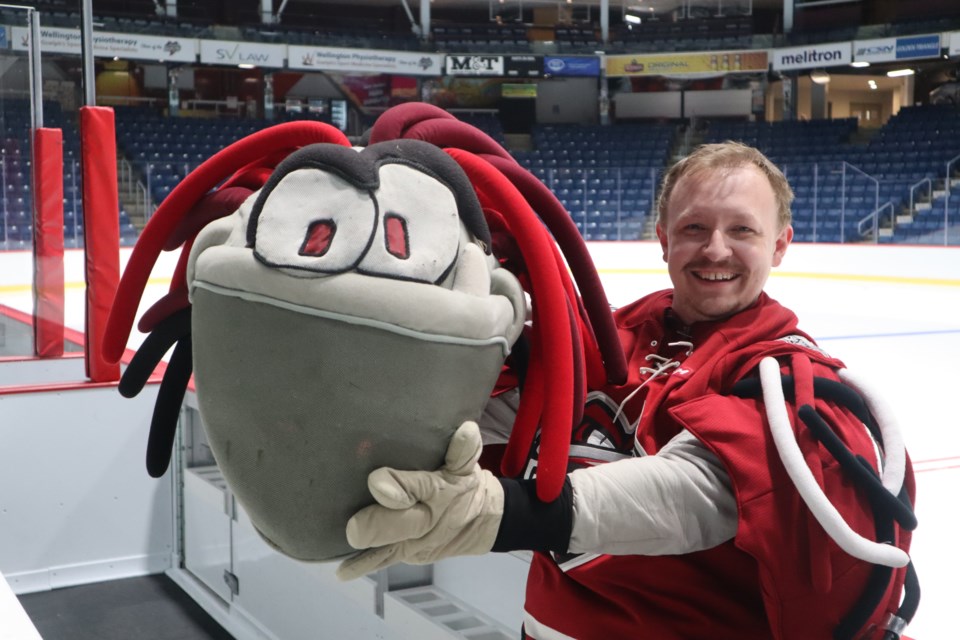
(424, 516)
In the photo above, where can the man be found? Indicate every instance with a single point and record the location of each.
(696, 525)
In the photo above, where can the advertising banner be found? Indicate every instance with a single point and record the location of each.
(233, 53)
(364, 61)
(479, 65)
(704, 63)
(954, 37)
(876, 50)
(514, 90)
(910, 47)
(813, 56)
(891, 49)
(110, 45)
(367, 90)
(523, 66)
(571, 66)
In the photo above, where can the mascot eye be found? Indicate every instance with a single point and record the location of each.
(395, 232)
(319, 236)
(315, 221)
(419, 237)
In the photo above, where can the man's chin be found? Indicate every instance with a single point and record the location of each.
(717, 310)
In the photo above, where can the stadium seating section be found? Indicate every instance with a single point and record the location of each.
(606, 176)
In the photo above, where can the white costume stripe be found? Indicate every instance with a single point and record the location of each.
(540, 631)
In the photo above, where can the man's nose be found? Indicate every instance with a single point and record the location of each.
(717, 247)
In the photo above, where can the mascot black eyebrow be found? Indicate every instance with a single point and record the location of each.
(345, 309)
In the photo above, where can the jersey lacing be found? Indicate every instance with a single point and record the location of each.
(663, 366)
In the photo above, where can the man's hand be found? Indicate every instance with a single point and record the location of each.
(424, 516)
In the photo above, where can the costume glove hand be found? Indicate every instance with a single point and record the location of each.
(423, 516)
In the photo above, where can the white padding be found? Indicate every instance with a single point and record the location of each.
(894, 449)
(818, 503)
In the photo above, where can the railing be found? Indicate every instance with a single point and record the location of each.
(843, 201)
(612, 220)
(144, 201)
(3, 185)
(871, 221)
(125, 175)
(75, 187)
(947, 186)
(913, 190)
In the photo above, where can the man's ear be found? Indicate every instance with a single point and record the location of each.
(662, 237)
(781, 244)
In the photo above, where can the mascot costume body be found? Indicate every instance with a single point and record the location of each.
(344, 309)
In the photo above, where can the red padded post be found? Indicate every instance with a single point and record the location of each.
(101, 233)
(48, 286)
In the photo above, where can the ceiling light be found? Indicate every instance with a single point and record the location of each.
(820, 76)
(632, 19)
(872, 84)
(860, 64)
(896, 73)
(246, 66)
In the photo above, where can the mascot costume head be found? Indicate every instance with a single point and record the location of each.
(343, 309)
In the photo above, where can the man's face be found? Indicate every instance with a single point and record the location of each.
(720, 241)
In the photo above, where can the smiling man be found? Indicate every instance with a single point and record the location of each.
(700, 502)
(724, 222)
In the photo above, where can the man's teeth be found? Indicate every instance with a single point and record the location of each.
(716, 276)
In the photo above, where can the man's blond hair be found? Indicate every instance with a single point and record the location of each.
(726, 156)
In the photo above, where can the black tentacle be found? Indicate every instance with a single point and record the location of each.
(824, 388)
(148, 356)
(884, 502)
(166, 411)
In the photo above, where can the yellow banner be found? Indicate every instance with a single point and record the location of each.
(705, 62)
(515, 90)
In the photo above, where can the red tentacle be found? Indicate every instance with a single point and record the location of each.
(394, 122)
(561, 225)
(551, 325)
(434, 125)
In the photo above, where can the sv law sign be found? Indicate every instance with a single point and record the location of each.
(234, 53)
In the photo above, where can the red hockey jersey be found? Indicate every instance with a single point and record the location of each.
(781, 577)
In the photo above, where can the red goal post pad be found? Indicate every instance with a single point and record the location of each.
(101, 233)
(48, 280)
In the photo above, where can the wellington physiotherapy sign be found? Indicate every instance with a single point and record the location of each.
(365, 61)
(109, 45)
